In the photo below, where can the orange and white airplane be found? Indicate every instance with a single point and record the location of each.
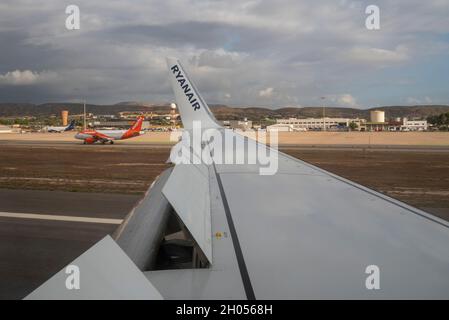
(103, 136)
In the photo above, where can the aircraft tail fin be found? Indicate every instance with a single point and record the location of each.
(71, 126)
(137, 126)
(190, 104)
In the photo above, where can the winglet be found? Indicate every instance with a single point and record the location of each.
(191, 105)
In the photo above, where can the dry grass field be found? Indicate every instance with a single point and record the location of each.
(365, 138)
(80, 168)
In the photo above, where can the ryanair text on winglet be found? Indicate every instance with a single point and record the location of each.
(184, 83)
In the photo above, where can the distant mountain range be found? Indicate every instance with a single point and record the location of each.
(222, 112)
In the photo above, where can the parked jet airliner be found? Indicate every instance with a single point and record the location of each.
(103, 136)
(71, 126)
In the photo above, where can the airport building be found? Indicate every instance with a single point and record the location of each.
(6, 129)
(65, 117)
(414, 125)
(377, 123)
(172, 115)
(284, 128)
(295, 124)
(377, 116)
(238, 124)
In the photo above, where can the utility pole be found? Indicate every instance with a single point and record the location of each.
(84, 114)
(324, 120)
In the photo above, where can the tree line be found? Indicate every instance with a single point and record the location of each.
(441, 121)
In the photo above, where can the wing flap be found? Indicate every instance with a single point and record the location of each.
(105, 272)
(187, 190)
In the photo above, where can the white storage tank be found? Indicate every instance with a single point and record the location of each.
(377, 116)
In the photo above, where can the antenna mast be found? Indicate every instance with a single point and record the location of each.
(84, 114)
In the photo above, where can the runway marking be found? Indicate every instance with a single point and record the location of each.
(63, 180)
(59, 218)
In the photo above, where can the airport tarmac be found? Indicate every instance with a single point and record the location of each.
(140, 145)
(34, 248)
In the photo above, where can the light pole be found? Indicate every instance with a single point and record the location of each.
(324, 120)
(84, 114)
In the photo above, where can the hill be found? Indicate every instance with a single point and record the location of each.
(222, 112)
(256, 113)
(47, 109)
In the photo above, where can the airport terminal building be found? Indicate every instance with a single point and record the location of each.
(295, 124)
(377, 122)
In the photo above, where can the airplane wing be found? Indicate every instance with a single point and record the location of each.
(301, 232)
(279, 228)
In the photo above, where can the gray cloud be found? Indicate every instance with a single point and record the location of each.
(235, 50)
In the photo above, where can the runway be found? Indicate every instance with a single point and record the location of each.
(166, 146)
(75, 143)
(97, 205)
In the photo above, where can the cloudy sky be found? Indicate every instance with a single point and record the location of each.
(242, 53)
